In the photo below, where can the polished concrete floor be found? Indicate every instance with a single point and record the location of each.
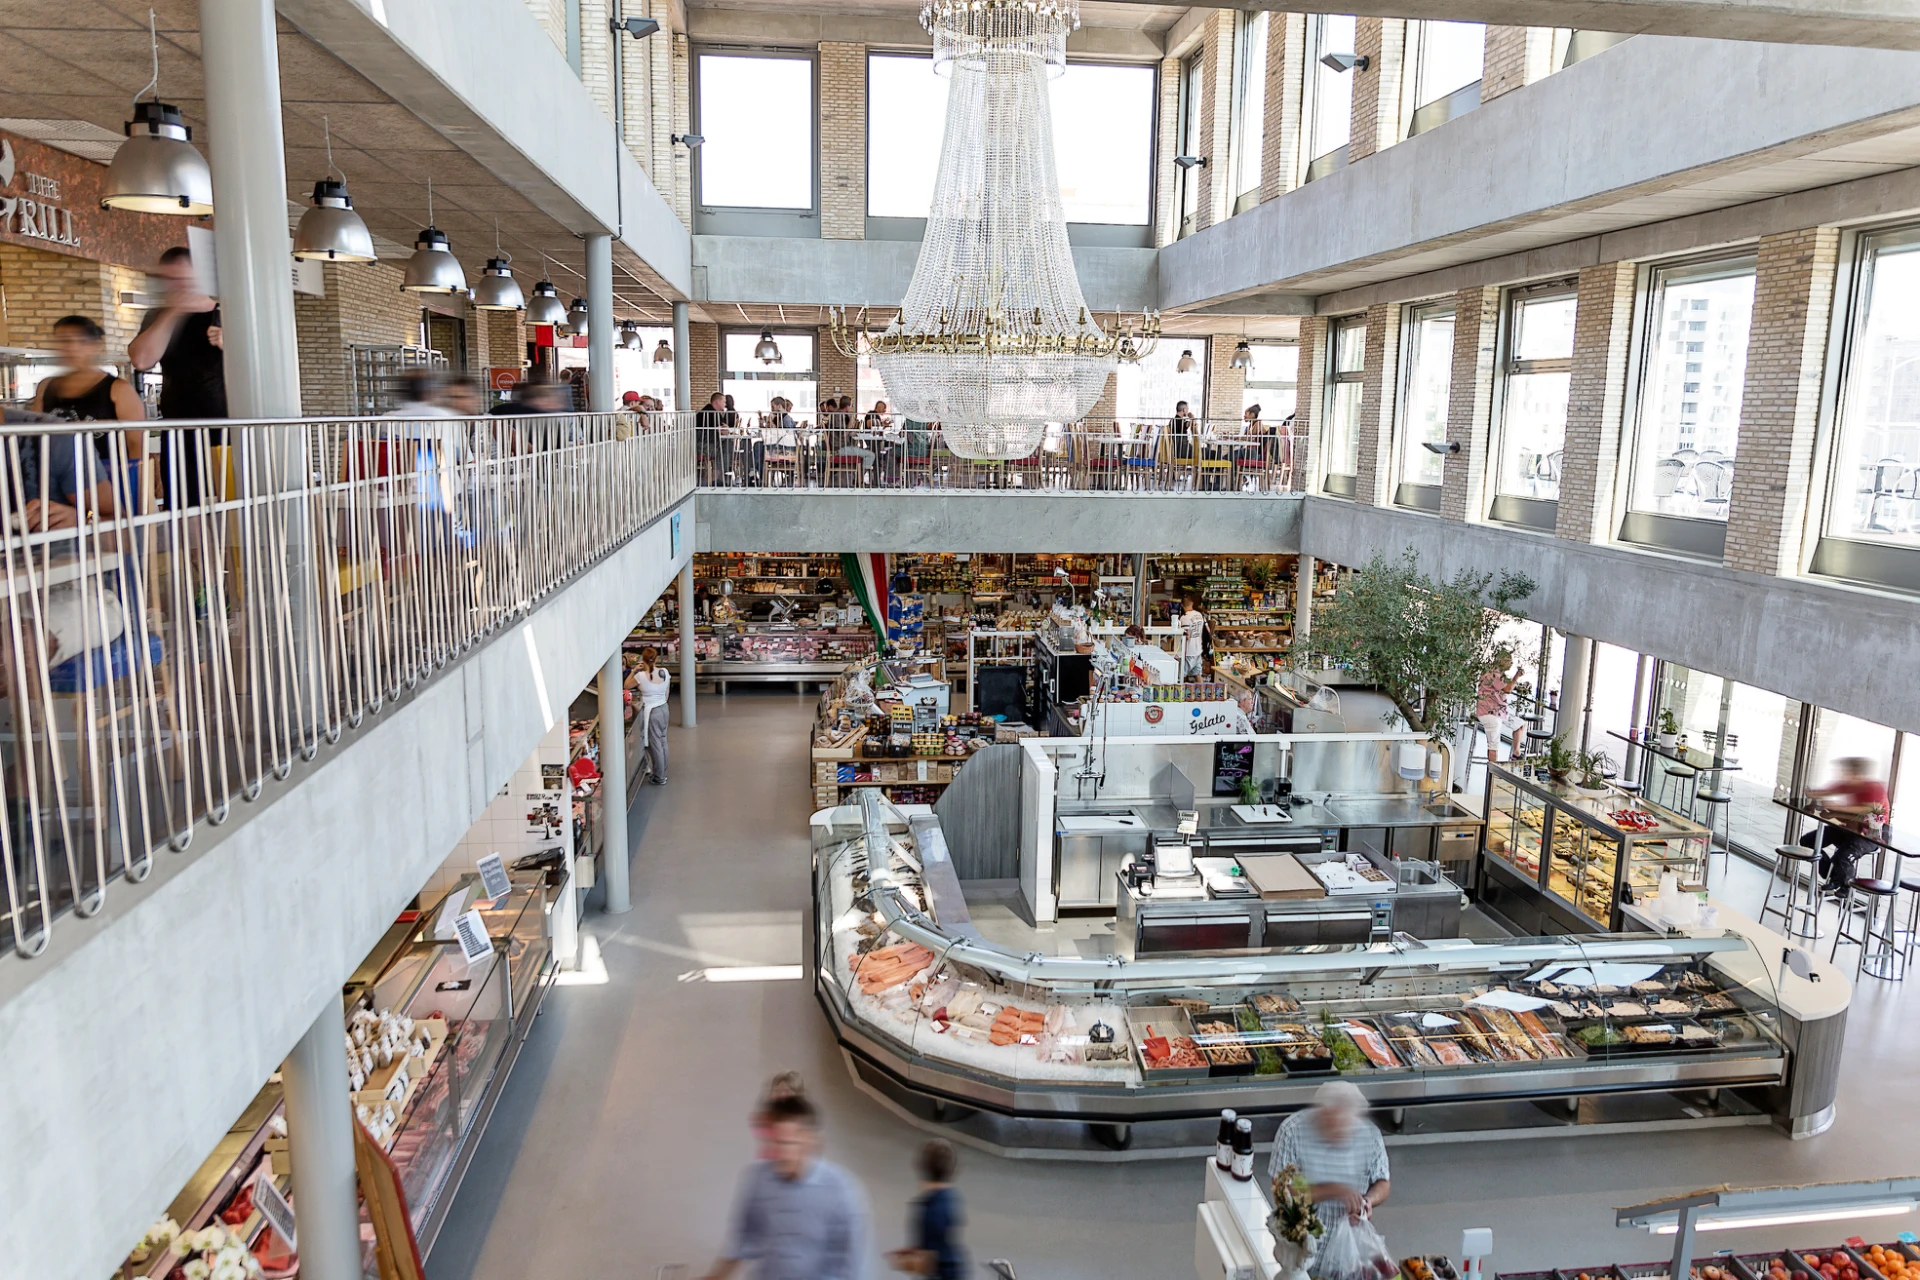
(615, 1149)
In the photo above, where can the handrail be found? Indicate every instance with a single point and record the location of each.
(210, 602)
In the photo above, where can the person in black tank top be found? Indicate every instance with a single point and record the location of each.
(183, 338)
(85, 394)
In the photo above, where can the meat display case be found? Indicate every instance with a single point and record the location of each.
(1559, 859)
(921, 1001)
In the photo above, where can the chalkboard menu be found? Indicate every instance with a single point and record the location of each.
(1232, 765)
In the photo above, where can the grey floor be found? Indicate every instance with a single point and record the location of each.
(616, 1146)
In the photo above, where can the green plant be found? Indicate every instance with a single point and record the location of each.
(1668, 724)
(1590, 769)
(1294, 1218)
(1249, 790)
(1561, 759)
(1257, 573)
(1425, 644)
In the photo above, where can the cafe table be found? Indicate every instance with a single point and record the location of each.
(1696, 758)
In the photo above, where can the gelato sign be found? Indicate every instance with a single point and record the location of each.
(30, 203)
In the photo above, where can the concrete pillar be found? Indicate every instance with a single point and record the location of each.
(1303, 598)
(688, 659)
(251, 243)
(600, 323)
(1139, 589)
(613, 784)
(682, 370)
(320, 1143)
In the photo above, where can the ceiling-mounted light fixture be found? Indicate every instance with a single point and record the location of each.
(498, 290)
(1242, 356)
(630, 335)
(544, 307)
(331, 231)
(578, 318)
(663, 354)
(1185, 363)
(157, 170)
(1344, 62)
(767, 351)
(433, 268)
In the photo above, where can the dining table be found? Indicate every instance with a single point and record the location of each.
(1697, 758)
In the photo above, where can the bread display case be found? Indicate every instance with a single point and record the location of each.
(918, 996)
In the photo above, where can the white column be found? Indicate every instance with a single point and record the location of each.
(682, 366)
(1574, 666)
(1303, 598)
(613, 785)
(600, 323)
(320, 1144)
(688, 662)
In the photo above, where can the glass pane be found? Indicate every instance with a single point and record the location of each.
(1149, 390)
(1747, 728)
(1534, 427)
(906, 111)
(756, 115)
(1429, 380)
(1276, 404)
(1253, 103)
(1350, 346)
(1450, 57)
(1332, 90)
(1189, 135)
(1543, 328)
(1906, 791)
(1274, 363)
(1838, 737)
(1873, 477)
(636, 371)
(1343, 429)
(796, 353)
(1103, 142)
(1690, 401)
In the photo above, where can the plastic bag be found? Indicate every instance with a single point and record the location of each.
(1354, 1251)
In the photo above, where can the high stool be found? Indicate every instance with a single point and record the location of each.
(1629, 786)
(1910, 885)
(1719, 805)
(1879, 955)
(1680, 781)
(1789, 862)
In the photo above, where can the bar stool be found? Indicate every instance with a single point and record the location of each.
(1789, 861)
(1719, 804)
(1879, 954)
(1910, 885)
(1630, 787)
(1680, 781)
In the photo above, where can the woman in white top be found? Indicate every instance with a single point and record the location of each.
(651, 679)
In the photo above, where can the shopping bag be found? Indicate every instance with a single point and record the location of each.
(1354, 1251)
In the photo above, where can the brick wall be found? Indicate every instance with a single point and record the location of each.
(363, 306)
(1166, 215)
(1504, 68)
(1307, 414)
(1590, 457)
(1216, 118)
(552, 16)
(1106, 407)
(1476, 325)
(1286, 77)
(839, 373)
(843, 141)
(678, 158)
(662, 100)
(703, 362)
(37, 288)
(1225, 385)
(596, 52)
(1379, 392)
(1779, 407)
(1376, 91)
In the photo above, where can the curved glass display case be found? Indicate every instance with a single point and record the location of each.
(914, 990)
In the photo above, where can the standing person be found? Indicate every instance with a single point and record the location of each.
(652, 680)
(796, 1216)
(1848, 799)
(936, 1220)
(86, 392)
(1182, 428)
(787, 1084)
(1193, 645)
(1496, 686)
(183, 337)
(1338, 1150)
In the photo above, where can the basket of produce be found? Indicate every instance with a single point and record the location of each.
(1218, 1033)
(1367, 1040)
(1267, 1058)
(1163, 1035)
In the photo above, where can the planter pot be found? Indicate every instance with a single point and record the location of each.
(1666, 740)
(1593, 793)
(1291, 1257)
(1560, 775)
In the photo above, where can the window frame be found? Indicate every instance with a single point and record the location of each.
(1431, 113)
(1516, 509)
(772, 373)
(1251, 385)
(1406, 493)
(750, 220)
(1340, 484)
(1245, 75)
(1691, 536)
(1314, 167)
(1186, 191)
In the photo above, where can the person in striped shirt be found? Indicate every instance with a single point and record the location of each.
(1339, 1150)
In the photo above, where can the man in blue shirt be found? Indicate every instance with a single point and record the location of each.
(796, 1217)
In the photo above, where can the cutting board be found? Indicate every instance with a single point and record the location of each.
(1281, 876)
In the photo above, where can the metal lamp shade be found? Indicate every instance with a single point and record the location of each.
(331, 231)
(1242, 356)
(577, 319)
(433, 268)
(157, 170)
(630, 336)
(767, 351)
(1185, 363)
(663, 354)
(544, 306)
(498, 290)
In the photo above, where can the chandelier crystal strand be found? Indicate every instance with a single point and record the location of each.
(993, 340)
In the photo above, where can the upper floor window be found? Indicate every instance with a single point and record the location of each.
(1249, 105)
(756, 113)
(906, 118)
(1688, 418)
(753, 383)
(1428, 375)
(1190, 146)
(1536, 374)
(1103, 142)
(1272, 382)
(1329, 93)
(1340, 440)
(1148, 391)
(1447, 63)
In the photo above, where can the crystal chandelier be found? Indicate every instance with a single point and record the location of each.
(994, 341)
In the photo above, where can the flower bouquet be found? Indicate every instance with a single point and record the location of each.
(215, 1253)
(1293, 1222)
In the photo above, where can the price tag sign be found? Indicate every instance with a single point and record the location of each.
(493, 876)
(274, 1208)
(471, 930)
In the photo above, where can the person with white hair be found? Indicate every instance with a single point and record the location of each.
(1338, 1150)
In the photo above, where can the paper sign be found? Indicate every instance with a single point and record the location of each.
(449, 911)
(1907, 1237)
(493, 876)
(1510, 1000)
(475, 945)
(1437, 1020)
(1623, 975)
(1544, 972)
(274, 1208)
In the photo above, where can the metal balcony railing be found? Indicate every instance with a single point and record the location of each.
(841, 451)
(162, 656)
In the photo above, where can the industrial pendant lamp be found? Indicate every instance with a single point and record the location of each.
(630, 335)
(663, 354)
(1242, 356)
(331, 231)
(578, 317)
(767, 351)
(1185, 363)
(433, 268)
(498, 290)
(544, 307)
(157, 170)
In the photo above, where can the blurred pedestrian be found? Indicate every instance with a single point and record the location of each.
(1848, 801)
(787, 1084)
(937, 1219)
(796, 1216)
(1338, 1150)
(88, 393)
(183, 337)
(653, 680)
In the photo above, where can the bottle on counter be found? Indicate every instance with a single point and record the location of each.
(1242, 1169)
(1223, 1144)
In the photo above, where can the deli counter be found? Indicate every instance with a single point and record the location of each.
(925, 1005)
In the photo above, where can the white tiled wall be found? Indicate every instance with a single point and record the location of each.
(503, 827)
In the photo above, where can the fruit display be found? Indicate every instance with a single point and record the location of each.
(1851, 1261)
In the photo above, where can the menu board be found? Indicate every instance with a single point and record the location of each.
(1232, 765)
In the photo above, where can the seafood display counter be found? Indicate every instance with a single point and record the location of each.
(920, 998)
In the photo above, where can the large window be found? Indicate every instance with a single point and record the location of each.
(1190, 145)
(1423, 403)
(1694, 372)
(1272, 383)
(1340, 440)
(1329, 93)
(753, 383)
(1448, 60)
(906, 120)
(1249, 105)
(1877, 453)
(1103, 142)
(1148, 390)
(1536, 374)
(756, 114)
